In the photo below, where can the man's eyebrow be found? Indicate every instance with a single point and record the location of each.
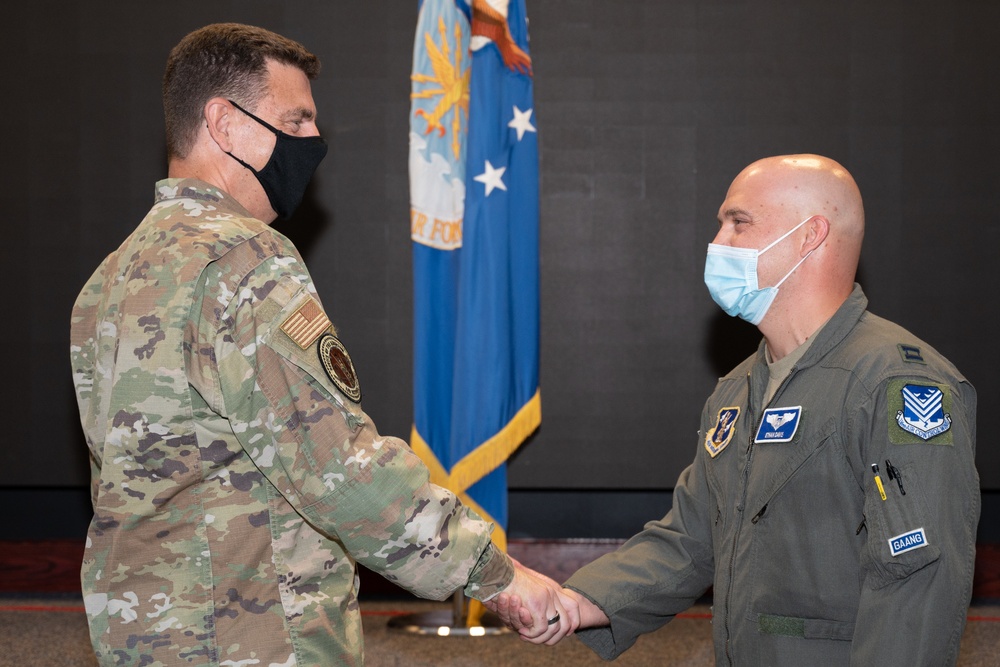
(734, 212)
(301, 113)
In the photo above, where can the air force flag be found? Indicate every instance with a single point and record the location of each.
(474, 226)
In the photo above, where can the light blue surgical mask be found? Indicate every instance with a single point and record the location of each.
(731, 278)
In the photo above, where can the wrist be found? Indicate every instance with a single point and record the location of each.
(492, 573)
(591, 616)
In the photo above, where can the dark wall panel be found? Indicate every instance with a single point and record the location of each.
(897, 91)
(646, 110)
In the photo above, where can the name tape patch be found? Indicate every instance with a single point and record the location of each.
(778, 424)
(915, 539)
(720, 435)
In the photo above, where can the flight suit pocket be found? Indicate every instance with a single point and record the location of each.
(900, 541)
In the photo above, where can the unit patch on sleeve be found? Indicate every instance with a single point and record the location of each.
(339, 367)
(921, 410)
(306, 324)
(719, 436)
(778, 424)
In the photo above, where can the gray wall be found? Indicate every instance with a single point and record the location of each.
(646, 110)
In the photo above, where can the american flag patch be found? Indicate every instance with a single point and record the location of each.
(306, 324)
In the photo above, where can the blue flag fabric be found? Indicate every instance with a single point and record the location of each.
(474, 224)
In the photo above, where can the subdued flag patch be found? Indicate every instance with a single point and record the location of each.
(306, 324)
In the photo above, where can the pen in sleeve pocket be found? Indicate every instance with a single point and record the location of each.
(878, 481)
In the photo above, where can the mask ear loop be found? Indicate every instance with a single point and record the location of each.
(259, 120)
(785, 236)
(793, 269)
(782, 238)
(255, 172)
(276, 132)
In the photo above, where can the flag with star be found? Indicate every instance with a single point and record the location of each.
(474, 225)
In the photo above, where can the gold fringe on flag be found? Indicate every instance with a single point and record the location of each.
(478, 463)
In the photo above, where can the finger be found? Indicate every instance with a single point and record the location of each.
(534, 608)
(511, 614)
(554, 627)
(524, 615)
(571, 608)
(553, 634)
(558, 624)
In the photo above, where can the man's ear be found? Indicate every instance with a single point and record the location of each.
(219, 114)
(817, 229)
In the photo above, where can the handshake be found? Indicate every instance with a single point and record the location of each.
(542, 611)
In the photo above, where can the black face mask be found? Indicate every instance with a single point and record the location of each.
(289, 169)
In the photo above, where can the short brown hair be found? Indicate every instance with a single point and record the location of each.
(222, 60)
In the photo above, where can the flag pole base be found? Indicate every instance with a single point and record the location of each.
(445, 623)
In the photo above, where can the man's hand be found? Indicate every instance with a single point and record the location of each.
(536, 607)
(583, 612)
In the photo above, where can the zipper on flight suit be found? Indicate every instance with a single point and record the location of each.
(751, 420)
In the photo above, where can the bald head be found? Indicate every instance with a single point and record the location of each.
(804, 213)
(808, 185)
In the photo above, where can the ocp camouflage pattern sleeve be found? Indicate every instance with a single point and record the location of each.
(234, 483)
(82, 355)
(318, 448)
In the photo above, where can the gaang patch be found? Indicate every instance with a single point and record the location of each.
(914, 539)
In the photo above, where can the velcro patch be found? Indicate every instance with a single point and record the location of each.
(919, 409)
(719, 436)
(778, 424)
(910, 353)
(915, 539)
(306, 324)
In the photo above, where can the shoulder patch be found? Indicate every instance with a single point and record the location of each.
(339, 367)
(306, 324)
(921, 410)
(719, 436)
(910, 353)
(778, 424)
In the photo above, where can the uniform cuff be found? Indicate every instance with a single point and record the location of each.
(493, 572)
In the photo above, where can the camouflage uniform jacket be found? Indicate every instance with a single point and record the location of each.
(234, 480)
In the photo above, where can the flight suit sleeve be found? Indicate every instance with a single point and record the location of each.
(656, 574)
(288, 388)
(917, 563)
